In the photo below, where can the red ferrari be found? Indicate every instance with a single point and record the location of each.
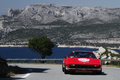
(81, 61)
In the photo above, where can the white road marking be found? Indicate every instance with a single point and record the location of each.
(25, 76)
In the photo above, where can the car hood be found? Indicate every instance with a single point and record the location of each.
(83, 61)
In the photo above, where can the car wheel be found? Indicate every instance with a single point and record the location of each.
(62, 68)
(65, 71)
(99, 72)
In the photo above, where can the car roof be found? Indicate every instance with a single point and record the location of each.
(83, 51)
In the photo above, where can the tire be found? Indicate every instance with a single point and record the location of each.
(65, 71)
(99, 72)
(62, 68)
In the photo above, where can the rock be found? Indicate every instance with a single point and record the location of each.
(100, 51)
(107, 53)
(10, 12)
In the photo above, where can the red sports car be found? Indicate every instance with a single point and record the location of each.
(81, 61)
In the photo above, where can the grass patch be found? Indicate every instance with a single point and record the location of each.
(115, 66)
(11, 74)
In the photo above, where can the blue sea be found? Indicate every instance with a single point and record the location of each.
(26, 53)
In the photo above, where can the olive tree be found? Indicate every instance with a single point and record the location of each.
(41, 45)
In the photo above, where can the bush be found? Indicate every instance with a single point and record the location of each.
(7, 71)
(4, 69)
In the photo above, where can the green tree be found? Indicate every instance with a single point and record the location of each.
(41, 45)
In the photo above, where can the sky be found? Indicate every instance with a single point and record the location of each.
(19, 4)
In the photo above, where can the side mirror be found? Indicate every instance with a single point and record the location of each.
(66, 57)
(72, 56)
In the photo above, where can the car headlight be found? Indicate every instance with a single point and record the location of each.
(97, 66)
(72, 64)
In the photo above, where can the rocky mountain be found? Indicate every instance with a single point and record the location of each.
(107, 53)
(62, 24)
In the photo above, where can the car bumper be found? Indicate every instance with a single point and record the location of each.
(83, 69)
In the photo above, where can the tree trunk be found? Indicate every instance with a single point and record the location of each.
(43, 57)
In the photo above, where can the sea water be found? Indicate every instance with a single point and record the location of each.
(26, 53)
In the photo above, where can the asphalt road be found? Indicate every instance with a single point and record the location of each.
(54, 72)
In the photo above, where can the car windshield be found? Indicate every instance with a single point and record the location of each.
(83, 54)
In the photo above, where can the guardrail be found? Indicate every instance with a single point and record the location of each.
(108, 61)
(34, 60)
(56, 61)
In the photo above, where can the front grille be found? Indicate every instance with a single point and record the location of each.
(82, 66)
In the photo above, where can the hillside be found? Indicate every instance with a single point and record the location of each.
(68, 25)
(107, 53)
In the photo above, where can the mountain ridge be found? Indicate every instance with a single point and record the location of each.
(62, 24)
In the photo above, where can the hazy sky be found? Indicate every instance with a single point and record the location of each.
(6, 4)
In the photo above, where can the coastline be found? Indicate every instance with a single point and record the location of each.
(75, 46)
(62, 46)
(13, 45)
(82, 46)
